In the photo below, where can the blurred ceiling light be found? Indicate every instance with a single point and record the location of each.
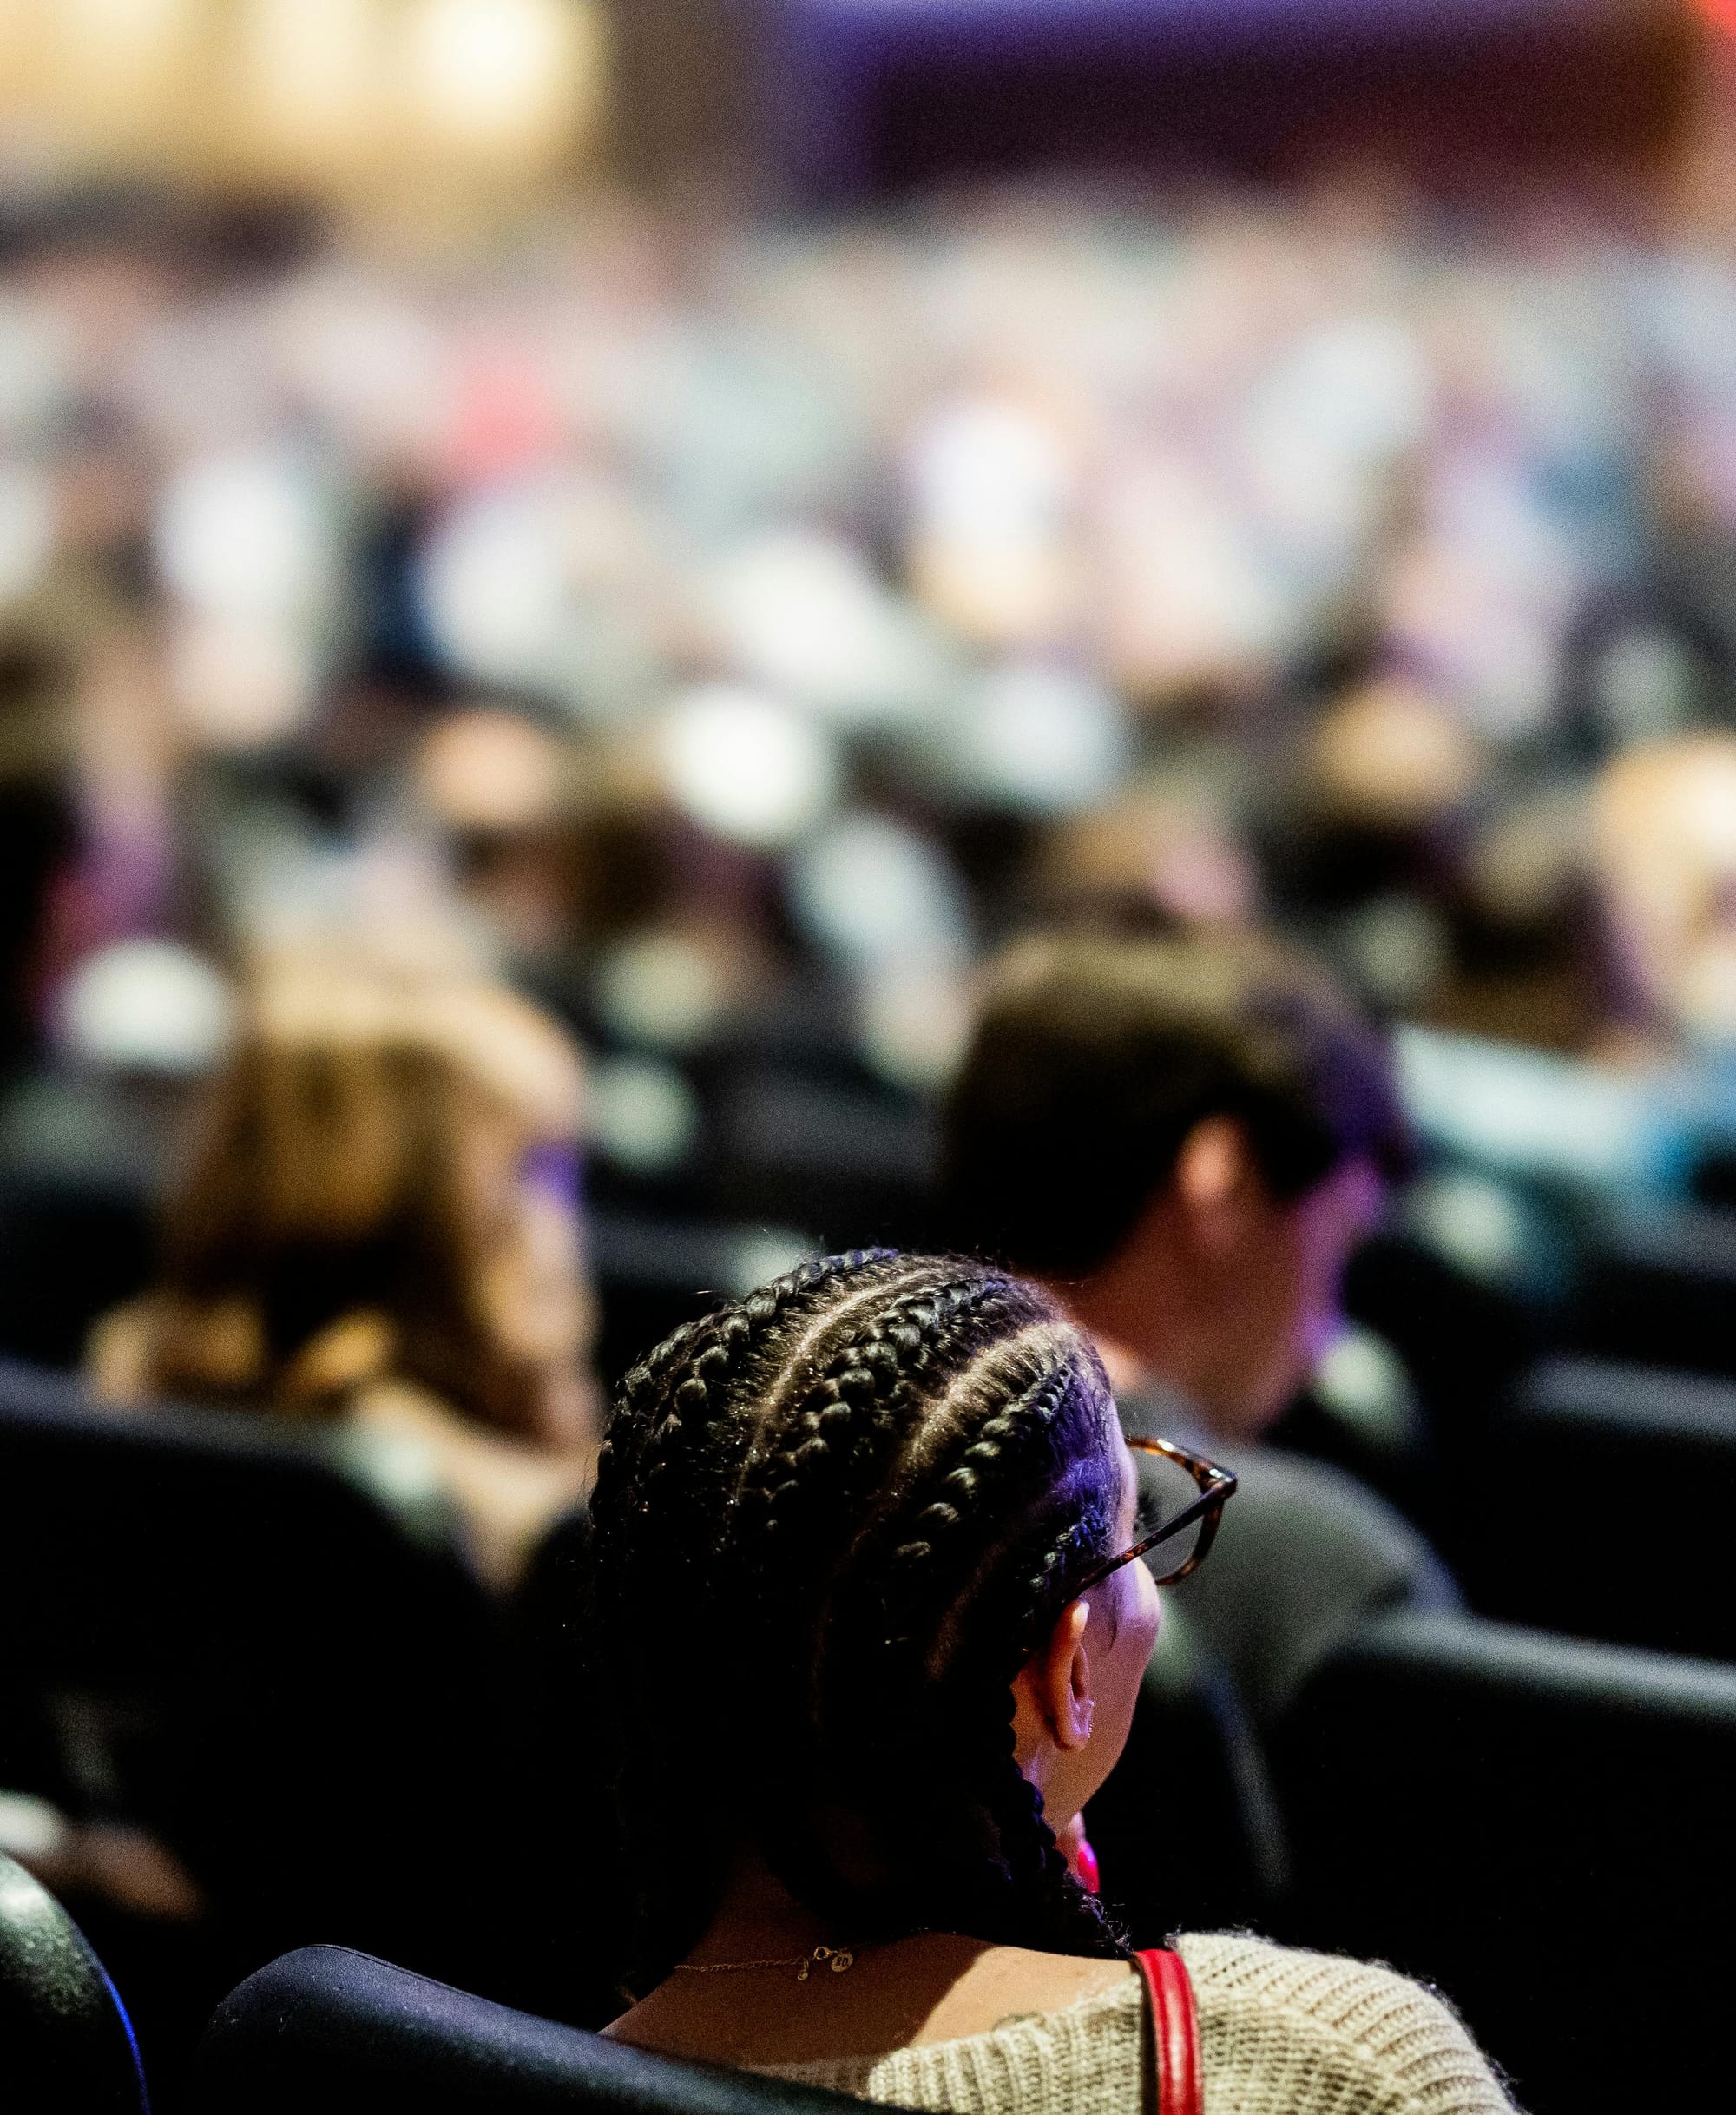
(1399, 949)
(245, 531)
(984, 466)
(119, 59)
(518, 77)
(745, 766)
(313, 76)
(488, 769)
(760, 1254)
(1646, 683)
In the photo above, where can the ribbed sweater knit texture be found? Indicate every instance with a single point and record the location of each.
(1281, 2032)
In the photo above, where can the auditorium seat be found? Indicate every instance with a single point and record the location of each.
(1658, 1287)
(1191, 1750)
(576, 1921)
(265, 1652)
(66, 2044)
(1543, 1827)
(1607, 1500)
(852, 1165)
(73, 1244)
(329, 2030)
(653, 1274)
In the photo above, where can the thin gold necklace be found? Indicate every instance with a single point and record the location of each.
(837, 1958)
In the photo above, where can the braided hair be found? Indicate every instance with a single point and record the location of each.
(859, 1498)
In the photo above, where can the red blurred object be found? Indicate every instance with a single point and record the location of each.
(1721, 14)
(1086, 1861)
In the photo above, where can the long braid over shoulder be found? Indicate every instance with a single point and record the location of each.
(834, 1520)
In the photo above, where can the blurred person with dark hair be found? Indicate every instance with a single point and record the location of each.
(1531, 956)
(1185, 1138)
(39, 834)
(577, 858)
(377, 1224)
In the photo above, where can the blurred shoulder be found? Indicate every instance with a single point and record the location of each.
(1281, 2028)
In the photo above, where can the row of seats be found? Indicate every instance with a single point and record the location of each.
(329, 2027)
(267, 1653)
(1541, 1826)
(1605, 1492)
(1458, 1796)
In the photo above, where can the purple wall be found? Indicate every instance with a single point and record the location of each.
(868, 96)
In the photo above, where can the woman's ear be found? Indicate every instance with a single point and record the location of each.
(1052, 1703)
(1216, 1180)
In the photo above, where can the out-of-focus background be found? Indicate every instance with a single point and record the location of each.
(721, 513)
(724, 513)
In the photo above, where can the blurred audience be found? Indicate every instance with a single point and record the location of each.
(377, 1224)
(1663, 826)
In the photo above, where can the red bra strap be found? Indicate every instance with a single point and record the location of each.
(1174, 2033)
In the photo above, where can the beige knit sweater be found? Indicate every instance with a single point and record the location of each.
(1281, 2032)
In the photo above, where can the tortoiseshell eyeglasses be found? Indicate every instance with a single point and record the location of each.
(1181, 1499)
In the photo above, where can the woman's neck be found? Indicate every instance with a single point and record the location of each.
(758, 1918)
(927, 1987)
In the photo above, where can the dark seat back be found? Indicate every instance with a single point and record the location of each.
(1191, 1750)
(1658, 1289)
(334, 2031)
(1607, 1498)
(1543, 1827)
(257, 1649)
(66, 2046)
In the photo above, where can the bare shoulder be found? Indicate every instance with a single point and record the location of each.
(1272, 2009)
(1008, 1981)
(920, 1991)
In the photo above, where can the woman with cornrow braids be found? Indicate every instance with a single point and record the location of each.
(872, 1632)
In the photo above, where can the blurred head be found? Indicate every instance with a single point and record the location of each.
(840, 1529)
(383, 1181)
(1184, 1136)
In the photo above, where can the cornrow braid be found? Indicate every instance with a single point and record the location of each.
(945, 1693)
(858, 1497)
